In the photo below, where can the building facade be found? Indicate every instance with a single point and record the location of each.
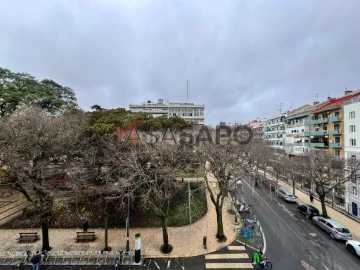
(351, 132)
(189, 111)
(257, 127)
(297, 131)
(275, 132)
(327, 126)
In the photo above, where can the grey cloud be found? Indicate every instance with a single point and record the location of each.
(241, 58)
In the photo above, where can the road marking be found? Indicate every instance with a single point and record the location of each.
(227, 256)
(156, 265)
(236, 248)
(306, 266)
(168, 265)
(313, 234)
(229, 265)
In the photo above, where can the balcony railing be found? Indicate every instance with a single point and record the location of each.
(318, 144)
(335, 132)
(335, 145)
(334, 118)
(318, 121)
(318, 133)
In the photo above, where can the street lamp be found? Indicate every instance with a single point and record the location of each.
(127, 249)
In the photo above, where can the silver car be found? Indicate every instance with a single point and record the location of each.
(286, 195)
(332, 227)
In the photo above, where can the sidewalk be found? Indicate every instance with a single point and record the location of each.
(303, 198)
(186, 240)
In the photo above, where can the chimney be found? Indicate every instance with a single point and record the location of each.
(348, 92)
(329, 98)
(316, 103)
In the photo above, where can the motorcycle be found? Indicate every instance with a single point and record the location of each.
(244, 208)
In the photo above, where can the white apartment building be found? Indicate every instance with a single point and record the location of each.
(297, 131)
(352, 150)
(275, 132)
(189, 111)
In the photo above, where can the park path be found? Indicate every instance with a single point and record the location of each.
(186, 240)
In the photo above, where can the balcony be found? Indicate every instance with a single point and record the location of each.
(318, 121)
(335, 145)
(335, 132)
(318, 144)
(334, 119)
(318, 133)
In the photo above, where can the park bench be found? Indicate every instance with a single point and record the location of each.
(85, 236)
(28, 237)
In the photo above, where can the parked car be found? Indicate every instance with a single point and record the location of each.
(308, 210)
(353, 247)
(286, 195)
(332, 227)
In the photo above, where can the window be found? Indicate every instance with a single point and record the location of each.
(352, 114)
(353, 176)
(354, 191)
(352, 128)
(352, 142)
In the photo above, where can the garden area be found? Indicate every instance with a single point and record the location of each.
(72, 214)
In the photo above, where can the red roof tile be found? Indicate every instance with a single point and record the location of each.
(335, 102)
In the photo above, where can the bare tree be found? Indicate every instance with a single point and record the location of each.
(151, 172)
(327, 173)
(35, 148)
(221, 162)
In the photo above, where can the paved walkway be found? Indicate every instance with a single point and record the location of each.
(303, 198)
(186, 240)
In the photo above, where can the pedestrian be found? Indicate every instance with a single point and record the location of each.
(311, 197)
(86, 226)
(35, 260)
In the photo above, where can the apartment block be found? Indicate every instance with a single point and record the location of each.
(257, 126)
(297, 131)
(351, 132)
(327, 126)
(189, 111)
(275, 132)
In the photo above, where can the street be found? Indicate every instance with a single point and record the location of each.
(292, 241)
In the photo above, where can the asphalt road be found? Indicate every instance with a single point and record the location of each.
(292, 241)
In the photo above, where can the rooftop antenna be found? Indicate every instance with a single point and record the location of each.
(316, 97)
(279, 107)
(187, 91)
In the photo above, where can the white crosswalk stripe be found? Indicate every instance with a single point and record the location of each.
(235, 258)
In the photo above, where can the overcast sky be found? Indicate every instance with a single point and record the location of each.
(242, 58)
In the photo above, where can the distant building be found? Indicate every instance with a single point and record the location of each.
(257, 127)
(297, 131)
(189, 111)
(275, 132)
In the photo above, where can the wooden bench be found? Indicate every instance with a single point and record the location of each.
(28, 237)
(85, 236)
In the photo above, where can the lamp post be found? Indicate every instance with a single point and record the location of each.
(128, 225)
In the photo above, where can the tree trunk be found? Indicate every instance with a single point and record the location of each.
(23, 191)
(166, 248)
(106, 247)
(45, 235)
(220, 228)
(293, 186)
(323, 206)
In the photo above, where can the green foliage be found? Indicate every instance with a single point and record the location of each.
(18, 89)
(105, 122)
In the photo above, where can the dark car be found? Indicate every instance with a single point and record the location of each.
(308, 210)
